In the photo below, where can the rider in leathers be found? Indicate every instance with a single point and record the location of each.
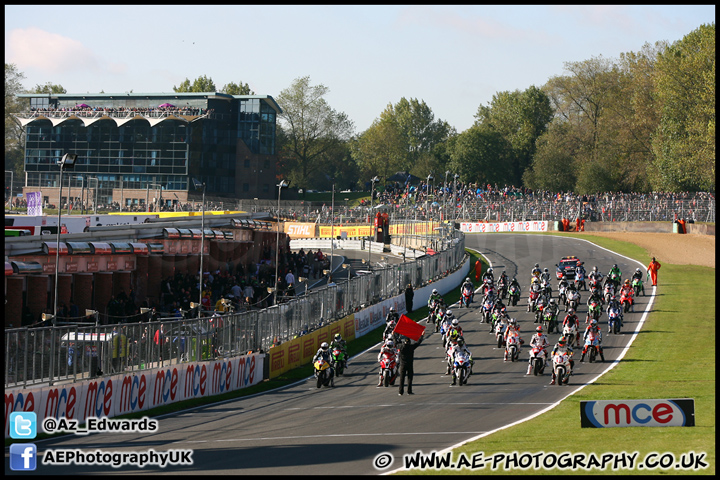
(458, 346)
(467, 288)
(593, 327)
(539, 339)
(387, 350)
(562, 347)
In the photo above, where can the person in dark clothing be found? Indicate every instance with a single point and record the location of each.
(409, 294)
(406, 355)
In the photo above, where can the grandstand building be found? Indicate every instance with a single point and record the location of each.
(140, 149)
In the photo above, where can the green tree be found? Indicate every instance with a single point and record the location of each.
(233, 88)
(479, 155)
(684, 143)
(13, 86)
(553, 166)
(201, 84)
(48, 88)
(312, 129)
(520, 117)
(380, 150)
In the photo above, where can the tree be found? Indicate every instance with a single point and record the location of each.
(479, 155)
(380, 150)
(520, 117)
(48, 88)
(201, 84)
(313, 129)
(684, 143)
(13, 86)
(553, 166)
(233, 88)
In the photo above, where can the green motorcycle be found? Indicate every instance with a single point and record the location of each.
(339, 360)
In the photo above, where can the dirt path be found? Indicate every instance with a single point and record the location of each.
(668, 247)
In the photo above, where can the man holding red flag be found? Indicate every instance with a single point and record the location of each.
(406, 350)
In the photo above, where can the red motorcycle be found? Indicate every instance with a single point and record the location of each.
(627, 301)
(531, 301)
(388, 366)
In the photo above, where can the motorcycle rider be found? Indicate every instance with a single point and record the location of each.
(323, 351)
(392, 316)
(562, 347)
(455, 348)
(615, 303)
(390, 322)
(434, 297)
(467, 288)
(514, 283)
(488, 275)
(498, 310)
(596, 297)
(628, 291)
(615, 271)
(570, 320)
(553, 309)
(538, 339)
(595, 328)
(512, 330)
(389, 351)
(545, 275)
(563, 286)
(534, 288)
(536, 271)
(596, 276)
(503, 281)
(580, 270)
(638, 275)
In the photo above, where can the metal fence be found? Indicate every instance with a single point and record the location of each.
(69, 353)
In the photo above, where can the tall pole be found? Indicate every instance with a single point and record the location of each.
(332, 230)
(280, 186)
(202, 249)
(371, 216)
(57, 249)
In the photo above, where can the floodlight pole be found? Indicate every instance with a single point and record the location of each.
(69, 160)
(371, 216)
(202, 249)
(281, 185)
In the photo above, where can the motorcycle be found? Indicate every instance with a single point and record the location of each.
(537, 360)
(444, 327)
(532, 299)
(500, 328)
(324, 373)
(461, 367)
(514, 294)
(615, 278)
(592, 340)
(614, 321)
(609, 292)
(637, 285)
(339, 360)
(496, 316)
(573, 300)
(512, 347)
(571, 334)
(626, 301)
(502, 289)
(546, 288)
(549, 321)
(539, 307)
(487, 311)
(580, 281)
(439, 319)
(487, 285)
(561, 367)
(388, 366)
(562, 295)
(466, 298)
(593, 312)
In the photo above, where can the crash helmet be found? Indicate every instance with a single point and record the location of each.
(613, 298)
(435, 292)
(460, 342)
(512, 321)
(455, 322)
(324, 345)
(595, 291)
(545, 270)
(595, 268)
(467, 279)
(392, 309)
(562, 341)
(638, 270)
(552, 300)
(535, 280)
(454, 334)
(338, 337)
(571, 311)
(627, 281)
(503, 272)
(594, 322)
(389, 343)
(539, 329)
(489, 270)
(537, 265)
(448, 313)
(614, 265)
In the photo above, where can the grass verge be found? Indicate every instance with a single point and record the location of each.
(672, 357)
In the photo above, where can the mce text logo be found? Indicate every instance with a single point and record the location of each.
(679, 412)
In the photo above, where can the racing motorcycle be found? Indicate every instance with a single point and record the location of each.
(539, 307)
(496, 316)
(549, 321)
(512, 347)
(637, 285)
(614, 320)
(561, 367)
(514, 295)
(609, 291)
(571, 334)
(339, 360)
(487, 286)
(532, 299)
(546, 288)
(324, 373)
(615, 278)
(593, 312)
(573, 300)
(439, 319)
(592, 340)
(388, 364)
(500, 327)
(626, 301)
(537, 360)
(580, 281)
(433, 311)
(466, 298)
(487, 311)
(461, 367)
(502, 288)
(562, 295)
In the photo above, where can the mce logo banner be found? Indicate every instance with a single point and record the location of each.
(679, 412)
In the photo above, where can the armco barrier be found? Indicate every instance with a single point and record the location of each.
(135, 391)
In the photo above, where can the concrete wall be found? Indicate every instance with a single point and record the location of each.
(655, 227)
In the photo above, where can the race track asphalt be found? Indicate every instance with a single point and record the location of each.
(305, 430)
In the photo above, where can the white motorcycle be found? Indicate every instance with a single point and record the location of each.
(570, 333)
(561, 367)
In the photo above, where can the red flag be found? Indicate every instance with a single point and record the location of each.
(409, 328)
